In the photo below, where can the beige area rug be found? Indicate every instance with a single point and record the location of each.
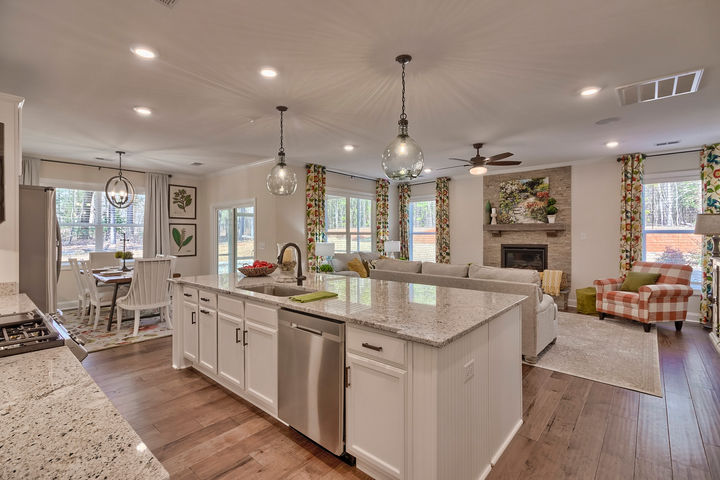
(613, 351)
(99, 339)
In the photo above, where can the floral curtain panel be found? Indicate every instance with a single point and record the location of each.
(633, 167)
(404, 214)
(314, 210)
(382, 228)
(710, 177)
(442, 220)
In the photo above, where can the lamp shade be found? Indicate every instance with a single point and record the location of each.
(707, 224)
(324, 249)
(392, 246)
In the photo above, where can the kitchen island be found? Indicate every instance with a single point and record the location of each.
(55, 422)
(433, 387)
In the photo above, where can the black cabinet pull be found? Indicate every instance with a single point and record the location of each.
(202, 310)
(192, 318)
(238, 340)
(372, 347)
(187, 294)
(245, 338)
(347, 376)
(204, 299)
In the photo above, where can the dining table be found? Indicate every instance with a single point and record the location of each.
(114, 278)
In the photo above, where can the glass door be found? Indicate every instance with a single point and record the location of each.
(235, 237)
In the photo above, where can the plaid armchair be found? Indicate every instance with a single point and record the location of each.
(666, 301)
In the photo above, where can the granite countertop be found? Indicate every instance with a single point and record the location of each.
(57, 423)
(421, 313)
(16, 303)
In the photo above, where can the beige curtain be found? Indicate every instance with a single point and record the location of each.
(404, 214)
(314, 210)
(633, 167)
(382, 227)
(156, 231)
(442, 220)
(710, 177)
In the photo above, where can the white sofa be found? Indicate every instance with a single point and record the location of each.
(340, 261)
(539, 312)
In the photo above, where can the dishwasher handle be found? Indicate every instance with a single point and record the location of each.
(306, 329)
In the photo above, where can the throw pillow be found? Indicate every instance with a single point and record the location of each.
(357, 266)
(340, 261)
(634, 280)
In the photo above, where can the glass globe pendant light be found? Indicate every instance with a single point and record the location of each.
(281, 180)
(403, 157)
(118, 189)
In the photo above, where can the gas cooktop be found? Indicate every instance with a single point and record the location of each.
(27, 332)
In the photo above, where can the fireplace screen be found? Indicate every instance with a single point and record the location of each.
(532, 257)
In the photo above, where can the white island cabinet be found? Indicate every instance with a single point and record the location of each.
(433, 382)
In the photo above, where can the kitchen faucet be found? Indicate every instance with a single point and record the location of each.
(300, 277)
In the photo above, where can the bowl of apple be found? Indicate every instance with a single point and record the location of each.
(259, 268)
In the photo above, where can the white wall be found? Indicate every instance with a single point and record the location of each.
(9, 229)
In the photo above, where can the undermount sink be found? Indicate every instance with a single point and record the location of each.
(278, 290)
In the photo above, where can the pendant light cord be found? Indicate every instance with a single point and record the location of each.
(120, 155)
(282, 147)
(403, 116)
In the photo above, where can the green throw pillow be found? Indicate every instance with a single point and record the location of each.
(635, 280)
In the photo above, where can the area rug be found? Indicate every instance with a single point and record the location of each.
(150, 328)
(613, 351)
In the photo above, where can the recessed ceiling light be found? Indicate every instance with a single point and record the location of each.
(612, 144)
(196, 164)
(143, 111)
(589, 91)
(427, 170)
(349, 148)
(144, 52)
(268, 72)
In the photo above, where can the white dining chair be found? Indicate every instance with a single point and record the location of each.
(103, 260)
(148, 290)
(83, 292)
(97, 297)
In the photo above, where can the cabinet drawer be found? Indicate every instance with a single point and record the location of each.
(207, 299)
(261, 314)
(376, 345)
(230, 305)
(190, 294)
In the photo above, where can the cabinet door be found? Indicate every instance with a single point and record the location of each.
(207, 331)
(261, 363)
(375, 414)
(190, 331)
(231, 351)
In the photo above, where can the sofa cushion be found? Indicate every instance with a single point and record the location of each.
(520, 275)
(394, 265)
(370, 256)
(340, 260)
(432, 268)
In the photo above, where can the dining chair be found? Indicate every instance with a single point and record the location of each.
(98, 297)
(103, 260)
(83, 293)
(148, 290)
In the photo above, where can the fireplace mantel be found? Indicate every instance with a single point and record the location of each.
(552, 229)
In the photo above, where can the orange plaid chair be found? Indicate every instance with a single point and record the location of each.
(666, 301)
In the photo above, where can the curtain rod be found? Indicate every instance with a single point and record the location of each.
(100, 167)
(619, 159)
(349, 175)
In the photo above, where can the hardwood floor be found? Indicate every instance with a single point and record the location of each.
(574, 428)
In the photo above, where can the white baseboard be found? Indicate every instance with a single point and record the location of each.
(505, 443)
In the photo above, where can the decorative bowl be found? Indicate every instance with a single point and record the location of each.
(257, 271)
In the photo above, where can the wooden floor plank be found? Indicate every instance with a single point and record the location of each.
(685, 440)
(617, 457)
(653, 441)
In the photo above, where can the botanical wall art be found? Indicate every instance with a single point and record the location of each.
(182, 201)
(183, 241)
(523, 201)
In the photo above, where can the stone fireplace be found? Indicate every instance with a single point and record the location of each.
(529, 256)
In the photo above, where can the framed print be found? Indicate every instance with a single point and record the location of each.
(183, 239)
(182, 201)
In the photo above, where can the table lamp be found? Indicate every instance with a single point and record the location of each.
(392, 246)
(324, 249)
(708, 224)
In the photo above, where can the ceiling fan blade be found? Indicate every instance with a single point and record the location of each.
(459, 159)
(500, 156)
(447, 168)
(505, 162)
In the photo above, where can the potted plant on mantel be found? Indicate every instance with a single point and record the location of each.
(551, 210)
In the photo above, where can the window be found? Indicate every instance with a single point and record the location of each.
(89, 223)
(348, 223)
(670, 207)
(422, 230)
(235, 237)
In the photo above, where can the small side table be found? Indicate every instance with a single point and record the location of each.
(562, 299)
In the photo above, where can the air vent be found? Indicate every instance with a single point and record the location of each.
(659, 88)
(196, 164)
(671, 142)
(103, 159)
(167, 3)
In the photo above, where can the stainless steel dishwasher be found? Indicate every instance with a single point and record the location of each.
(310, 377)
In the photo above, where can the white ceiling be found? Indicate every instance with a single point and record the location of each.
(505, 72)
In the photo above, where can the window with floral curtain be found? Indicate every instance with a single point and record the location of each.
(442, 220)
(633, 167)
(382, 228)
(314, 210)
(710, 177)
(404, 215)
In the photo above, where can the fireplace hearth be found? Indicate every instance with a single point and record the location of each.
(531, 257)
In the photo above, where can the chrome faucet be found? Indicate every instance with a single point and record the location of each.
(300, 277)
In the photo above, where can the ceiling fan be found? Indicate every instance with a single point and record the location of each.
(478, 164)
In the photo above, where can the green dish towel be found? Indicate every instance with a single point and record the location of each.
(311, 297)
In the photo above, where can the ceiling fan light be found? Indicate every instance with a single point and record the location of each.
(478, 170)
